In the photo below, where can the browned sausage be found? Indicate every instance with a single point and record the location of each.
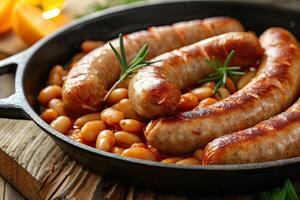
(274, 88)
(87, 82)
(155, 90)
(274, 139)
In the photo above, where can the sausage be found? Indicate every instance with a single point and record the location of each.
(274, 139)
(275, 87)
(87, 82)
(155, 90)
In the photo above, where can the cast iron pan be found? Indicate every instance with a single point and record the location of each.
(33, 65)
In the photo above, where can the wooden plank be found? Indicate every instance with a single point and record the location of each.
(11, 194)
(37, 167)
(2, 188)
(7, 192)
(46, 172)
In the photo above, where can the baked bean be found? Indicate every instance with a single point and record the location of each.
(55, 79)
(222, 93)
(245, 79)
(139, 153)
(90, 130)
(171, 160)
(230, 85)
(75, 59)
(89, 45)
(124, 83)
(48, 93)
(198, 154)
(139, 145)
(57, 105)
(126, 138)
(207, 102)
(86, 118)
(253, 69)
(188, 101)
(75, 135)
(188, 161)
(203, 92)
(112, 116)
(55, 75)
(117, 150)
(132, 125)
(61, 124)
(105, 140)
(125, 107)
(210, 84)
(116, 95)
(49, 115)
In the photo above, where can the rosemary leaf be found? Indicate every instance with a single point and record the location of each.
(236, 73)
(117, 54)
(122, 49)
(286, 192)
(222, 71)
(127, 69)
(290, 191)
(228, 59)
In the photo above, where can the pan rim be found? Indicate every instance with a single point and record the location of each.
(82, 147)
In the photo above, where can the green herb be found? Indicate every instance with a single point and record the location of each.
(128, 1)
(287, 192)
(291, 193)
(137, 62)
(94, 7)
(222, 71)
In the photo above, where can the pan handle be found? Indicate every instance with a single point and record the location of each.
(11, 107)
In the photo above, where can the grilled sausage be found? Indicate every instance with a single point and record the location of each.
(155, 90)
(86, 83)
(274, 139)
(274, 88)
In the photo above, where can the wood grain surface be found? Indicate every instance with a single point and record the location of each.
(7, 192)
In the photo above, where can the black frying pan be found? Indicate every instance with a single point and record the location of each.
(33, 65)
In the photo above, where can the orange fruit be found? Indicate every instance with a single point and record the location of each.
(52, 4)
(6, 9)
(28, 23)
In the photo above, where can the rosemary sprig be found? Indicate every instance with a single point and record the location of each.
(287, 192)
(137, 62)
(222, 71)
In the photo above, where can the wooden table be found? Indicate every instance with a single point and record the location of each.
(39, 169)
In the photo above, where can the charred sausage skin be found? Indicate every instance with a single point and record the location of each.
(275, 87)
(87, 82)
(274, 139)
(155, 90)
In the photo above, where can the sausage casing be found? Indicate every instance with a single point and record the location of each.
(155, 90)
(87, 82)
(274, 139)
(275, 87)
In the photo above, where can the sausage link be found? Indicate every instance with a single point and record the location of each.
(88, 80)
(274, 139)
(155, 90)
(275, 87)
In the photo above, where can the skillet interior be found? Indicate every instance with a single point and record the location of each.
(61, 46)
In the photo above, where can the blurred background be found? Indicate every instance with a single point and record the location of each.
(24, 22)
